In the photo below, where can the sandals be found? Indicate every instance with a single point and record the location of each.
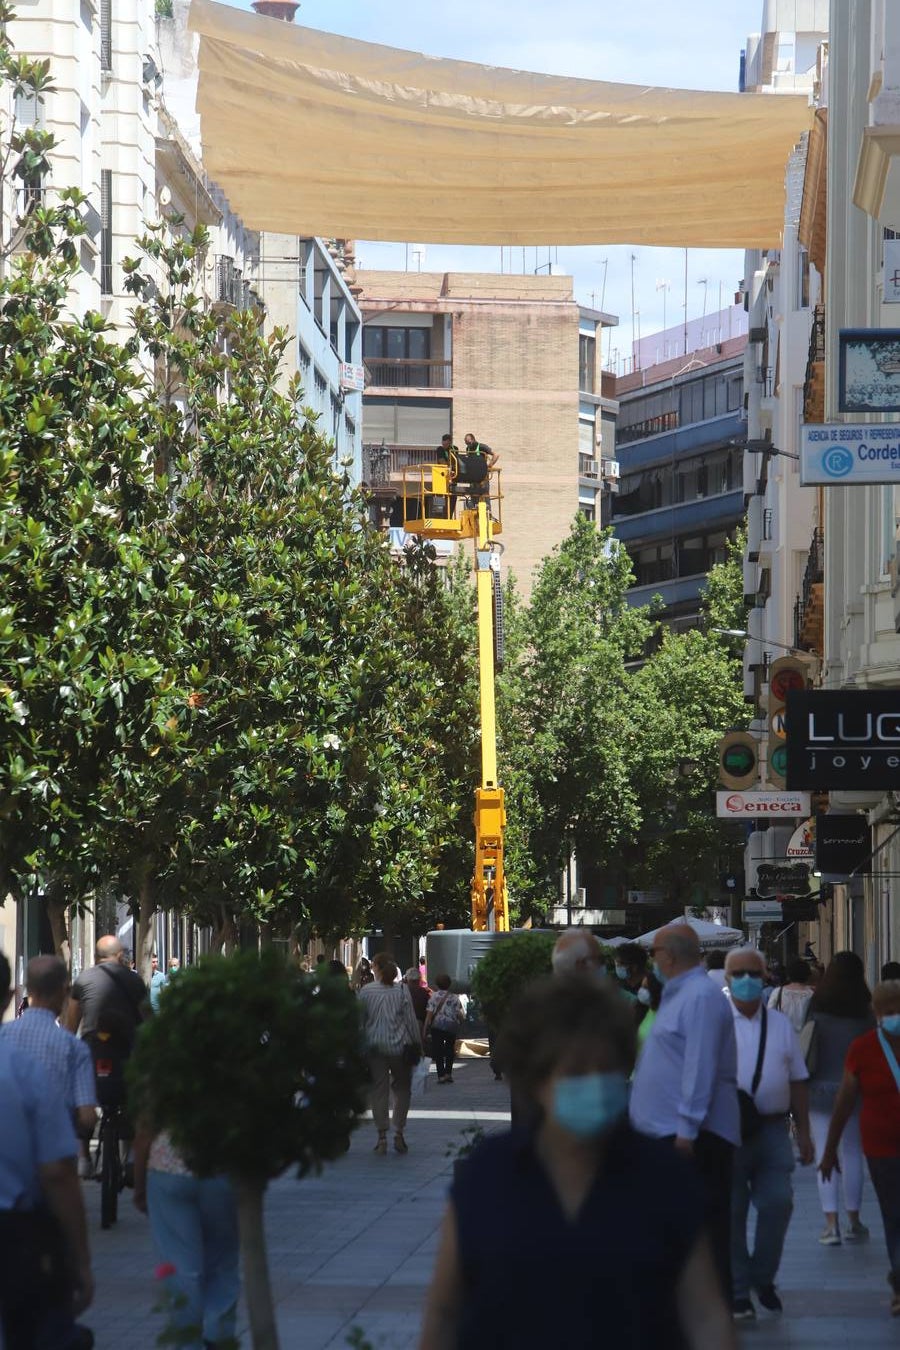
(400, 1143)
(381, 1146)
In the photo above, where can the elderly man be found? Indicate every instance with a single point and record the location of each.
(108, 990)
(772, 1078)
(685, 1083)
(577, 952)
(37, 1034)
(45, 1273)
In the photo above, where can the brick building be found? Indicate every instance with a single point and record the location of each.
(497, 355)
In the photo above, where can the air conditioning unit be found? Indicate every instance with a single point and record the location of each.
(611, 469)
(758, 334)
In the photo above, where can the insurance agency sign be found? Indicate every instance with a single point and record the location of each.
(843, 738)
(848, 453)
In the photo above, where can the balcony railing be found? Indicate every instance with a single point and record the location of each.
(814, 384)
(403, 374)
(651, 426)
(382, 462)
(809, 606)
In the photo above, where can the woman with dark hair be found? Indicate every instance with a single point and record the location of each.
(571, 1195)
(872, 1077)
(792, 998)
(841, 1008)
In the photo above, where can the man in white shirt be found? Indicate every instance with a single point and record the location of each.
(772, 1083)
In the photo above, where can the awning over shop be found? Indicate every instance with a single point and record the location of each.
(309, 133)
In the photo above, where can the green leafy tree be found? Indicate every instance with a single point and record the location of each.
(506, 968)
(252, 1068)
(567, 713)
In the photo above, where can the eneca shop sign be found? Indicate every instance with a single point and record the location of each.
(734, 804)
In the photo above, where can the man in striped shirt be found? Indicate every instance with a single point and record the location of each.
(37, 1034)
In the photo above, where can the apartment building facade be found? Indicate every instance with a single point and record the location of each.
(784, 560)
(680, 434)
(511, 359)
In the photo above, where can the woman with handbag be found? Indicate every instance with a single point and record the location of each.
(872, 1077)
(442, 1025)
(394, 1045)
(840, 1010)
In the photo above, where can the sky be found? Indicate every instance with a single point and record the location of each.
(688, 44)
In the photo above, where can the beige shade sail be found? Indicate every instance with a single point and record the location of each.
(313, 134)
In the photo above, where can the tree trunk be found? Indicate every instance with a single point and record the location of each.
(57, 904)
(225, 937)
(257, 1284)
(146, 895)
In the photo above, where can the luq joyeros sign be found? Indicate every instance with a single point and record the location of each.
(762, 804)
(843, 738)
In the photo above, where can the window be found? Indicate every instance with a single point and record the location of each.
(397, 344)
(735, 392)
(803, 280)
(106, 35)
(587, 360)
(106, 286)
(303, 357)
(588, 510)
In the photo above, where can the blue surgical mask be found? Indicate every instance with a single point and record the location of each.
(643, 996)
(621, 972)
(747, 988)
(590, 1104)
(658, 973)
(891, 1024)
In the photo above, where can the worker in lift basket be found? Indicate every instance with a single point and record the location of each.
(475, 465)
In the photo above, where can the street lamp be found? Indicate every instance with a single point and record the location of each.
(766, 642)
(767, 448)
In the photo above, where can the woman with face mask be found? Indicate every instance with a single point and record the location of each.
(872, 1077)
(560, 1197)
(841, 1008)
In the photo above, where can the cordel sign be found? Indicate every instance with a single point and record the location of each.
(778, 804)
(846, 453)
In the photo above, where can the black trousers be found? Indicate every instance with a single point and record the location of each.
(714, 1157)
(34, 1282)
(444, 1047)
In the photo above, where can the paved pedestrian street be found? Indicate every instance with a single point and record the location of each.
(354, 1248)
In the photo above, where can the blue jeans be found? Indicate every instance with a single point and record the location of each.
(194, 1225)
(885, 1174)
(762, 1176)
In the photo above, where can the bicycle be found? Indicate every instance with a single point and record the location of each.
(114, 1129)
(111, 1169)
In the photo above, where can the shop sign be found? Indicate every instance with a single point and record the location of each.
(782, 879)
(843, 738)
(802, 843)
(869, 370)
(736, 805)
(762, 911)
(842, 454)
(353, 378)
(843, 844)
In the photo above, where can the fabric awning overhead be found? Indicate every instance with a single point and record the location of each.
(313, 134)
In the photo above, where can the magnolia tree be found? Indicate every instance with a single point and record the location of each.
(252, 1068)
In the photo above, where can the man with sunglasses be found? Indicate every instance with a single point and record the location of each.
(685, 1083)
(772, 1082)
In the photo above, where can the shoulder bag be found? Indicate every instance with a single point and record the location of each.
(890, 1057)
(751, 1120)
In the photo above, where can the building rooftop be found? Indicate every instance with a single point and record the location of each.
(680, 365)
(431, 288)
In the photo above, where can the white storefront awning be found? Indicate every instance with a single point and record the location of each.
(313, 134)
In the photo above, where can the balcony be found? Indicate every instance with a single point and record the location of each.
(386, 373)
(809, 609)
(814, 385)
(651, 426)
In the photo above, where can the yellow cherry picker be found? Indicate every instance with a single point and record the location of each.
(461, 499)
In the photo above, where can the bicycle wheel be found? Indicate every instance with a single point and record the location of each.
(109, 1170)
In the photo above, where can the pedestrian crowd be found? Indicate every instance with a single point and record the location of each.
(682, 1087)
(671, 1085)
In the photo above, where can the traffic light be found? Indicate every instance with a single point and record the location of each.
(785, 674)
(738, 760)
